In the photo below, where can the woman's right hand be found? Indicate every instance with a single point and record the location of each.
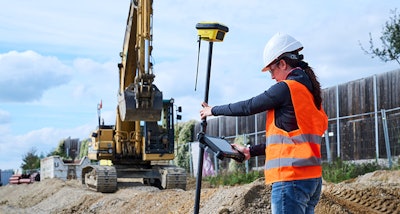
(206, 111)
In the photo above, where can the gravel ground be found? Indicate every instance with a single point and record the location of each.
(377, 192)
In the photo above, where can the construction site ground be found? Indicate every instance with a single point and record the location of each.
(376, 192)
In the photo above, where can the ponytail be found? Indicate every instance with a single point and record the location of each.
(316, 86)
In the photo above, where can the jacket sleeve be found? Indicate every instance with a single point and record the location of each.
(270, 99)
(257, 150)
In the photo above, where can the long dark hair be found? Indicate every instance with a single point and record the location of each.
(316, 92)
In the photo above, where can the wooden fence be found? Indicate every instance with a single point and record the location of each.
(356, 128)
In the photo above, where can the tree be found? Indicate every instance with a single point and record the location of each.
(31, 161)
(183, 135)
(235, 166)
(83, 151)
(390, 41)
(60, 150)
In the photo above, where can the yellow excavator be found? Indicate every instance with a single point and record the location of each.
(141, 143)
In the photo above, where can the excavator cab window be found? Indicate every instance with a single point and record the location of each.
(160, 137)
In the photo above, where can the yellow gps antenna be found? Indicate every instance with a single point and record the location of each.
(211, 32)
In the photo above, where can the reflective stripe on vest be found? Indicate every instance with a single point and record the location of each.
(295, 155)
(304, 138)
(296, 162)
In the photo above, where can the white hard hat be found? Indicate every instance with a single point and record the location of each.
(279, 44)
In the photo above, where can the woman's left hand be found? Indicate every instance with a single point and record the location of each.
(243, 149)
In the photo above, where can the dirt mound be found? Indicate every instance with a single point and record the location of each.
(377, 192)
(380, 176)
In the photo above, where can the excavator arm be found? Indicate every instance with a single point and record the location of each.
(138, 98)
(141, 142)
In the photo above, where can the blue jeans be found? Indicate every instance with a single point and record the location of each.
(299, 196)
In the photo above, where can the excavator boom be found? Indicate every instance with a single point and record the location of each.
(141, 143)
(138, 98)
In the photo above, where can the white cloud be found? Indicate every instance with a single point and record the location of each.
(27, 75)
(71, 29)
(63, 109)
(44, 140)
(58, 60)
(95, 79)
(5, 117)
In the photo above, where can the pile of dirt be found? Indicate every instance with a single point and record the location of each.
(377, 192)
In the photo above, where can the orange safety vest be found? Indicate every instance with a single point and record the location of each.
(295, 155)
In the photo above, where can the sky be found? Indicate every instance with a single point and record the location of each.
(58, 59)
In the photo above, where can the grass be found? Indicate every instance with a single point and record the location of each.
(339, 171)
(234, 178)
(334, 172)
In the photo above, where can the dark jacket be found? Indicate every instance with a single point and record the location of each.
(276, 97)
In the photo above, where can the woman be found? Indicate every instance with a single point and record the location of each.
(295, 124)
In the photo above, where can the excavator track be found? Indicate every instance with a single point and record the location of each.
(160, 176)
(173, 178)
(100, 178)
(363, 198)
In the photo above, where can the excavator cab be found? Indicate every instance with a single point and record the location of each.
(159, 138)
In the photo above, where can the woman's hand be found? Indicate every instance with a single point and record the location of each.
(206, 111)
(243, 149)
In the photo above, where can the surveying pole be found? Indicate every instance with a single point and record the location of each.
(211, 32)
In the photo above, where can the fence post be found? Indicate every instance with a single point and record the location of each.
(337, 121)
(247, 161)
(236, 126)
(328, 147)
(216, 164)
(376, 119)
(256, 136)
(386, 134)
(190, 159)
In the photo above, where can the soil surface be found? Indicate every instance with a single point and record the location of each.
(377, 192)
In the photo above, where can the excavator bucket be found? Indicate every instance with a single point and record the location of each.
(134, 108)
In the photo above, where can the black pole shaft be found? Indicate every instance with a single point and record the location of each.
(204, 126)
(210, 50)
(198, 180)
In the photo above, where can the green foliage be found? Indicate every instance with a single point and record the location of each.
(335, 172)
(83, 151)
(234, 165)
(397, 167)
(234, 178)
(182, 157)
(339, 171)
(186, 132)
(183, 135)
(60, 150)
(390, 41)
(31, 161)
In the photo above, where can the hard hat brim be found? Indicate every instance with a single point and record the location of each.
(279, 44)
(267, 67)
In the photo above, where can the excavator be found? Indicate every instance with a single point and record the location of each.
(141, 143)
